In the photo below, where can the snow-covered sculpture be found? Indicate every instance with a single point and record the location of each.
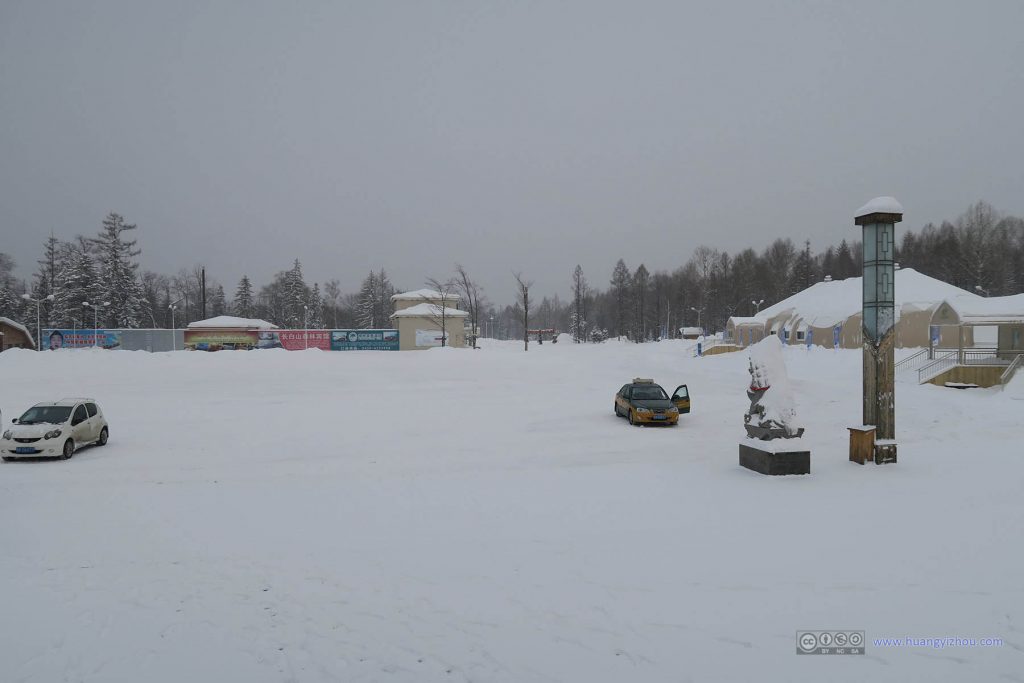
(772, 412)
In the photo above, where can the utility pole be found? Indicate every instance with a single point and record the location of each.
(203, 292)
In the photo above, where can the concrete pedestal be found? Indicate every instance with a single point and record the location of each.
(781, 456)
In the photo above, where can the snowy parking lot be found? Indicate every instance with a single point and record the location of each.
(460, 515)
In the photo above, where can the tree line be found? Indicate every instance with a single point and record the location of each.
(981, 250)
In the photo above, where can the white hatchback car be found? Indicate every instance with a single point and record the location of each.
(55, 429)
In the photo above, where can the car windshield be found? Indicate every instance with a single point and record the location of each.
(45, 414)
(654, 393)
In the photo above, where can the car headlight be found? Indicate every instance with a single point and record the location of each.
(7, 434)
(52, 434)
(673, 409)
(643, 410)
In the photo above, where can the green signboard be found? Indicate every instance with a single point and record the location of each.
(364, 340)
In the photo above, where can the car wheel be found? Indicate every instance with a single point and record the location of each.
(631, 420)
(104, 435)
(615, 407)
(6, 459)
(69, 449)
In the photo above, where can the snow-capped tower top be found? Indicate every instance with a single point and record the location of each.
(891, 210)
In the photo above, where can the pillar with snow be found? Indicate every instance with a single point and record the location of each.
(878, 219)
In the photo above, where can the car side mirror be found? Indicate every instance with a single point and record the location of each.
(14, 421)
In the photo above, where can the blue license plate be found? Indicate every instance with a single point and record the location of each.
(23, 449)
(660, 417)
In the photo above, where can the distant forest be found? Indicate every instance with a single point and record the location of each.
(980, 250)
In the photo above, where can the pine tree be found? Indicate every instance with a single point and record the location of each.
(845, 266)
(578, 318)
(117, 273)
(77, 283)
(366, 309)
(243, 298)
(296, 296)
(316, 308)
(218, 301)
(45, 282)
(641, 285)
(621, 291)
(803, 270)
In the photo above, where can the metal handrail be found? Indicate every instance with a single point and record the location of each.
(1007, 375)
(906, 363)
(941, 363)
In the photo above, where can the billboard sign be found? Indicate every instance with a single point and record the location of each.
(220, 340)
(836, 332)
(80, 339)
(428, 338)
(294, 340)
(364, 340)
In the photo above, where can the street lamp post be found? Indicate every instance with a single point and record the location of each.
(697, 311)
(174, 336)
(757, 306)
(95, 319)
(26, 297)
(305, 323)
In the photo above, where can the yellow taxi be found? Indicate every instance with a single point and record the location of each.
(644, 402)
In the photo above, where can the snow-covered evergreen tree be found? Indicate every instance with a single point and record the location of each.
(77, 283)
(117, 273)
(45, 281)
(296, 296)
(218, 301)
(243, 307)
(316, 309)
(374, 309)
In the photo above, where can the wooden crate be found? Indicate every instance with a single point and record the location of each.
(862, 444)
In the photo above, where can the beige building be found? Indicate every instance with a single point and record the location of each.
(419, 317)
(14, 336)
(830, 311)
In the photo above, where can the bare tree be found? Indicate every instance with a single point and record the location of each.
(578, 321)
(439, 315)
(471, 295)
(523, 300)
(332, 292)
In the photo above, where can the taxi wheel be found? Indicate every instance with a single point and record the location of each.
(69, 449)
(631, 420)
(615, 407)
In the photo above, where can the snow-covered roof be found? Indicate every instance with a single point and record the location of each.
(425, 294)
(428, 310)
(879, 205)
(979, 310)
(737, 321)
(690, 331)
(19, 327)
(824, 304)
(230, 321)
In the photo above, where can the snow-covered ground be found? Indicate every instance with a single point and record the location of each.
(460, 515)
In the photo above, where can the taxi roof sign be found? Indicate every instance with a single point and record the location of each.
(642, 380)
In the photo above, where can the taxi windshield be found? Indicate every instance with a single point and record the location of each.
(652, 393)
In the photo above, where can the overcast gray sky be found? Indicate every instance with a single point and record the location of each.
(507, 136)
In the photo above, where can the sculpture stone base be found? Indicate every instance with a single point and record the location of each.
(781, 456)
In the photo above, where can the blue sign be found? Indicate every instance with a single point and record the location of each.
(80, 339)
(933, 335)
(836, 332)
(700, 349)
(364, 340)
(810, 337)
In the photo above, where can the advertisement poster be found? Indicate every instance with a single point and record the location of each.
(810, 338)
(428, 338)
(220, 340)
(81, 339)
(836, 331)
(294, 340)
(365, 340)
